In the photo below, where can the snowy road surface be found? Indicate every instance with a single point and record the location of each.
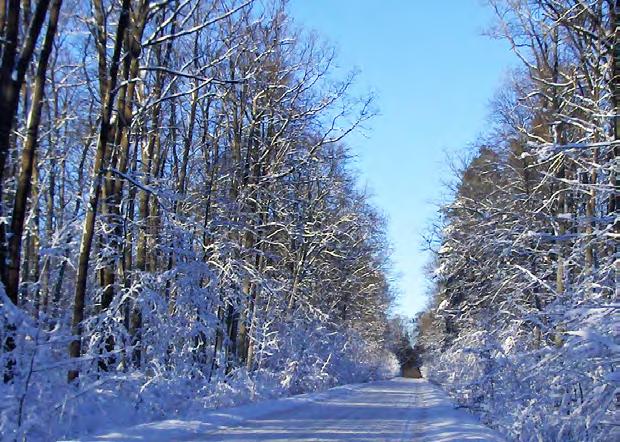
(398, 409)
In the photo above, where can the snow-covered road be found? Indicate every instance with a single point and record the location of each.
(398, 409)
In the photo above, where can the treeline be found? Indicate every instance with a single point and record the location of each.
(523, 323)
(177, 205)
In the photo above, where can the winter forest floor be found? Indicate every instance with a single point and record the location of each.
(397, 409)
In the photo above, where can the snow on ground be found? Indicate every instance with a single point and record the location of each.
(397, 409)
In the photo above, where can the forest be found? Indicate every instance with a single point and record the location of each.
(181, 227)
(523, 322)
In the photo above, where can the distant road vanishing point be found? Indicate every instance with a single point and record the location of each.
(395, 410)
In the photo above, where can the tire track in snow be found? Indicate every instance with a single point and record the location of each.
(395, 410)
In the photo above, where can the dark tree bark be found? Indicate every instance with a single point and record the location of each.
(12, 74)
(24, 183)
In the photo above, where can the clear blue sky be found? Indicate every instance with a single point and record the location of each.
(433, 73)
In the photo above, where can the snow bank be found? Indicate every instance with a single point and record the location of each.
(40, 405)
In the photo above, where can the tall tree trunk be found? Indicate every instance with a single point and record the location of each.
(12, 73)
(114, 184)
(9, 97)
(91, 211)
(614, 198)
(24, 184)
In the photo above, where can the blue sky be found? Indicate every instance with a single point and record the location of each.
(433, 73)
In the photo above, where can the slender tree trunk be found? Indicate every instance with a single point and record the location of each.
(12, 73)
(614, 198)
(91, 211)
(114, 183)
(9, 96)
(35, 235)
(24, 184)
